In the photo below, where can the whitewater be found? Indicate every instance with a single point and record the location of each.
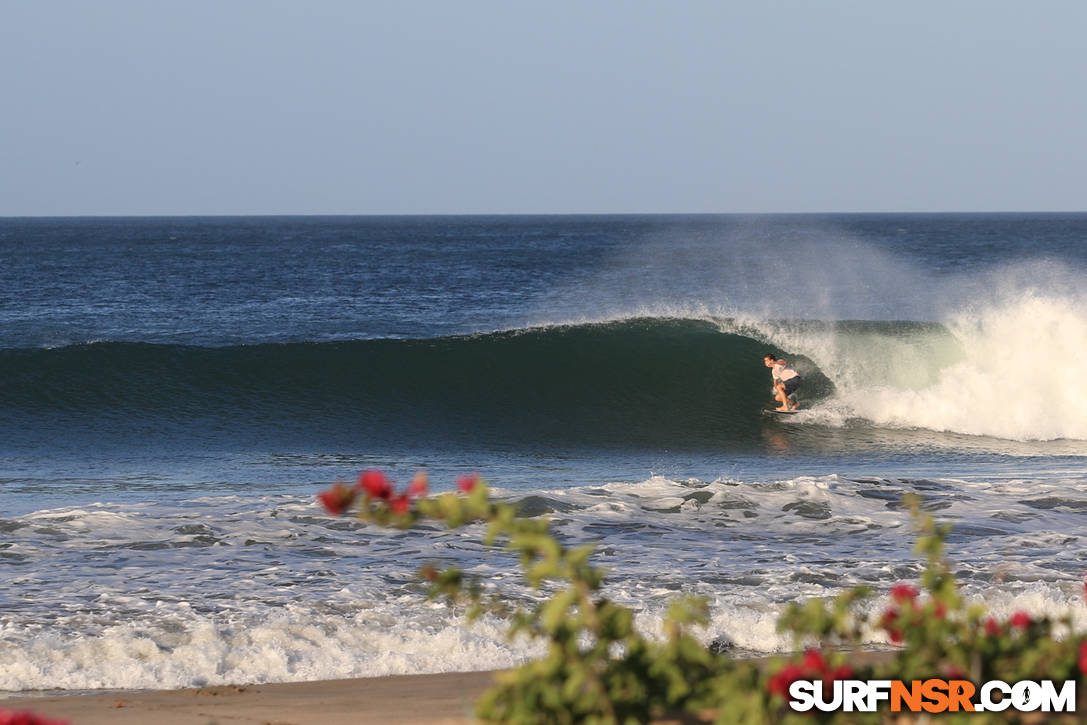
(217, 590)
(1005, 365)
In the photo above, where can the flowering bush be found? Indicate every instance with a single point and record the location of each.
(938, 634)
(599, 670)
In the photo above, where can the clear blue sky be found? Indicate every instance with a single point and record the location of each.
(196, 107)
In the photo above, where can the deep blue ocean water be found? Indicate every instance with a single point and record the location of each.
(173, 391)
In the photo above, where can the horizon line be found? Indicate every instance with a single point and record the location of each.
(238, 215)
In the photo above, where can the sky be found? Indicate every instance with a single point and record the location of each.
(119, 107)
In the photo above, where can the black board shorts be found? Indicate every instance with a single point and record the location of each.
(791, 385)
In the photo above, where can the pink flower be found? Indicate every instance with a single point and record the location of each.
(337, 499)
(1020, 620)
(814, 662)
(26, 717)
(991, 627)
(1083, 657)
(418, 485)
(400, 504)
(903, 593)
(375, 484)
(841, 672)
(954, 673)
(467, 483)
(779, 683)
(812, 666)
(887, 622)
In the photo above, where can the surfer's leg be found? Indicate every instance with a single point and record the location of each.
(780, 397)
(788, 390)
(790, 393)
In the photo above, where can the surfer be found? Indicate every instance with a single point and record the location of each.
(786, 381)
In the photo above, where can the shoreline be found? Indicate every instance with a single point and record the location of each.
(446, 698)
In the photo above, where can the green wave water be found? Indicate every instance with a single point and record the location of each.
(641, 381)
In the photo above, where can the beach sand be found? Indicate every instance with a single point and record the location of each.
(441, 699)
(438, 699)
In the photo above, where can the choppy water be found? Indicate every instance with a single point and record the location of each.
(174, 391)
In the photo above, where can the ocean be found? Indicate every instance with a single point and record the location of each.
(175, 391)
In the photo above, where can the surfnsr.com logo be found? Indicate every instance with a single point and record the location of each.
(933, 696)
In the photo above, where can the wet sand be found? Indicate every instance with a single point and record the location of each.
(441, 699)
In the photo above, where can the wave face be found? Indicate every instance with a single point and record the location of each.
(643, 381)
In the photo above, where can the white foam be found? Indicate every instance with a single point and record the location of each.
(297, 644)
(1017, 379)
(336, 598)
(1009, 367)
(290, 645)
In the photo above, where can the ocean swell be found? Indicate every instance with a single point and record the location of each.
(1006, 371)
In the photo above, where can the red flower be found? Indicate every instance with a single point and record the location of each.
(418, 485)
(939, 610)
(991, 627)
(779, 683)
(887, 622)
(336, 500)
(814, 662)
(400, 504)
(954, 673)
(1020, 620)
(842, 672)
(26, 717)
(467, 483)
(1083, 656)
(903, 593)
(375, 484)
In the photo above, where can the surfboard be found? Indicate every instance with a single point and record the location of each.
(771, 411)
